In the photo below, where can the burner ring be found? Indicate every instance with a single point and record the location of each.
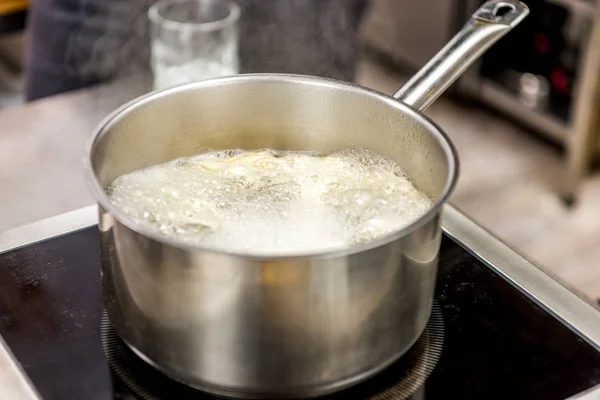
(397, 382)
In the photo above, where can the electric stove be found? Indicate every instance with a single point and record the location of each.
(500, 327)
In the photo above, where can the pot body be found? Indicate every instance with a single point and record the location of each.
(253, 326)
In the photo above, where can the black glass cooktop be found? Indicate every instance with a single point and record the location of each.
(498, 344)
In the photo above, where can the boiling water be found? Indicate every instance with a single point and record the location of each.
(271, 202)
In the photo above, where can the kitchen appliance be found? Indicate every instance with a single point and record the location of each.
(541, 74)
(505, 329)
(298, 325)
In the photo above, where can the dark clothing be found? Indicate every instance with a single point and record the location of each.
(76, 43)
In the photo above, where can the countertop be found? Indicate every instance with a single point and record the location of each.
(41, 150)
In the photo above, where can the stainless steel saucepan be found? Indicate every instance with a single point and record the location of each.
(304, 324)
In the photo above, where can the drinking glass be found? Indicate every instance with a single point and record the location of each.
(193, 40)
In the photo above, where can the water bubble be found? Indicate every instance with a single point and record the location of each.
(272, 201)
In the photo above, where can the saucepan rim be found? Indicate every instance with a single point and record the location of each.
(103, 200)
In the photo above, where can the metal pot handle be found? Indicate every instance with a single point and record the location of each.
(488, 24)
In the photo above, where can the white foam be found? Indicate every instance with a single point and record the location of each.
(269, 202)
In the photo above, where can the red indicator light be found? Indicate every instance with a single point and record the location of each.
(560, 81)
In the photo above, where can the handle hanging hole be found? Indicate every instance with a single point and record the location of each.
(502, 9)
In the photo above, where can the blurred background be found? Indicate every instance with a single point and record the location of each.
(524, 119)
